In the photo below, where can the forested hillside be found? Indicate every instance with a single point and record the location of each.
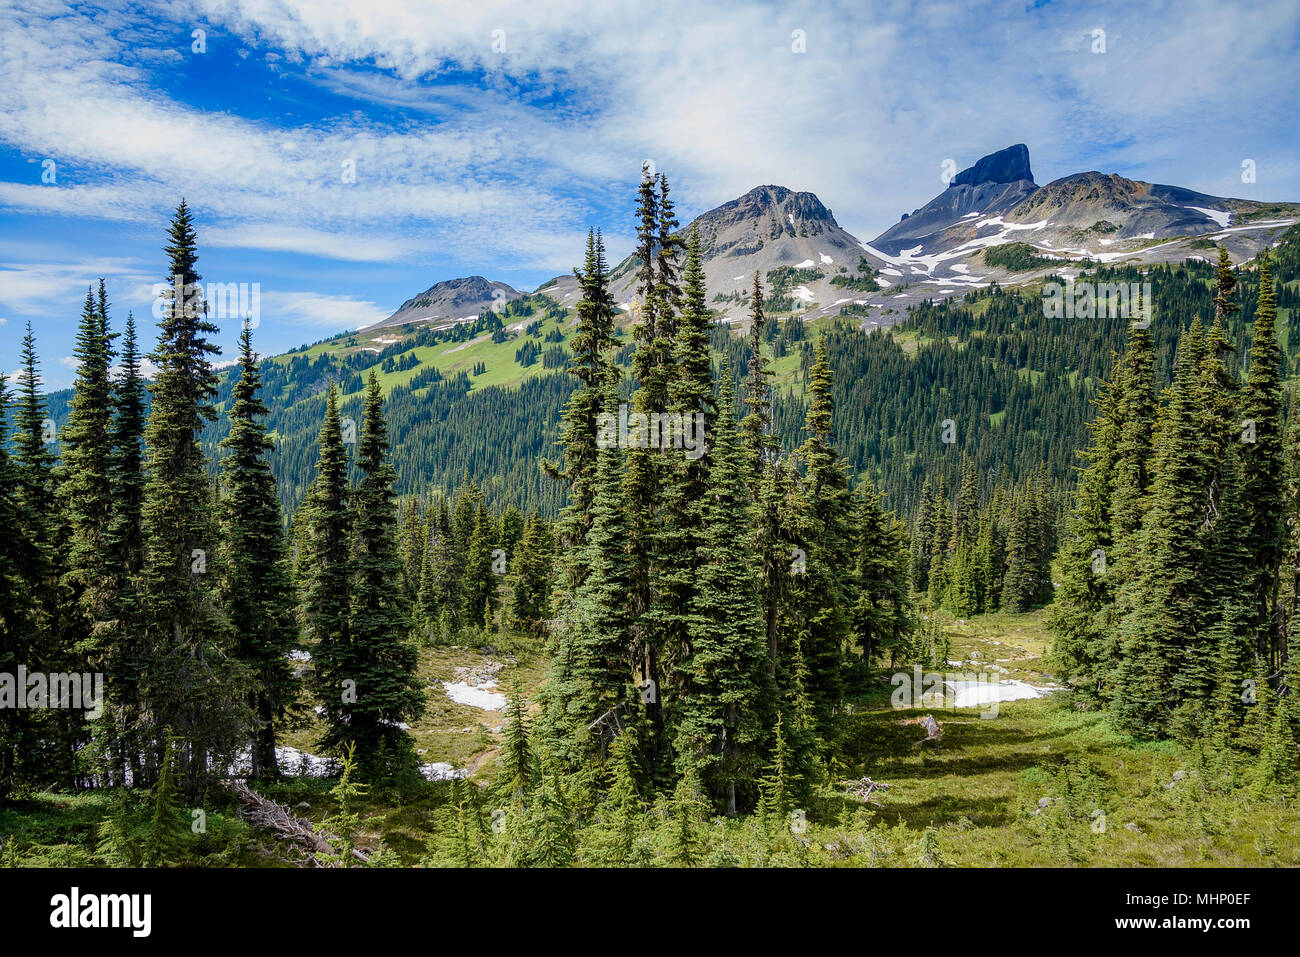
(287, 550)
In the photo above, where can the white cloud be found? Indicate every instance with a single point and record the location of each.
(32, 287)
(316, 309)
(714, 94)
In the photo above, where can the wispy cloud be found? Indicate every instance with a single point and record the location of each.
(360, 135)
(316, 309)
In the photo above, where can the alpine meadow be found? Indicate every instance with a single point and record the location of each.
(672, 525)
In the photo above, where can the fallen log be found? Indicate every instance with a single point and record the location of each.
(864, 788)
(264, 813)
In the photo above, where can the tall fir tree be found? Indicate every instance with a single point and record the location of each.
(1085, 652)
(724, 677)
(85, 494)
(379, 656)
(1262, 466)
(594, 371)
(256, 588)
(591, 668)
(327, 602)
(122, 652)
(1164, 621)
(192, 683)
(822, 583)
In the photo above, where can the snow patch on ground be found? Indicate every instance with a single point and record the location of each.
(804, 265)
(972, 694)
(1219, 216)
(803, 293)
(826, 260)
(484, 696)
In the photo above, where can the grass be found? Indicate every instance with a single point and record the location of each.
(980, 786)
(1039, 784)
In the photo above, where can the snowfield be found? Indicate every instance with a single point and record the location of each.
(972, 694)
(484, 696)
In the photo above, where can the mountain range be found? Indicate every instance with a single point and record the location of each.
(811, 266)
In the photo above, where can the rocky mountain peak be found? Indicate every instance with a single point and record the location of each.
(1010, 165)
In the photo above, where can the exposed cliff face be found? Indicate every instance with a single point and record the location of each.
(1010, 165)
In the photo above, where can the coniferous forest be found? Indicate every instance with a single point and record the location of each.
(742, 543)
(693, 647)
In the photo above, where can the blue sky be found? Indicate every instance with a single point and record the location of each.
(487, 137)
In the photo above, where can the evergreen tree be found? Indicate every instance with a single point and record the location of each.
(724, 676)
(192, 683)
(379, 656)
(327, 603)
(1086, 653)
(771, 544)
(624, 804)
(1020, 586)
(530, 576)
(881, 611)
(1162, 629)
(85, 495)
(516, 775)
(1132, 468)
(412, 543)
(821, 512)
(591, 667)
(479, 582)
(1262, 466)
(16, 612)
(256, 589)
(439, 595)
(122, 653)
(592, 367)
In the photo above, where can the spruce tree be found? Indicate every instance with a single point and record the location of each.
(327, 603)
(772, 548)
(192, 683)
(678, 541)
(592, 367)
(16, 611)
(881, 609)
(379, 655)
(85, 495)
(1262, 466)
(530, 576)
(123, 652)
(517, 774)
(1020, 586)
(256, 590)
(821, 593)
(591, 666)
(724, 677)
(1085, 652)
(622, 802)
(1163, 627)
